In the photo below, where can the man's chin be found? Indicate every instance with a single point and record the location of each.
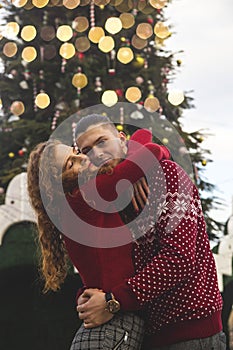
(109, 166)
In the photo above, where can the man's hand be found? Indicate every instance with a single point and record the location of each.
(140, 194)
(91, 308)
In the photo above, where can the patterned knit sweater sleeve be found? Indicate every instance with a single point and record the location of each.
(181, 254)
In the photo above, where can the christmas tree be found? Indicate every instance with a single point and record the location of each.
(59, 57)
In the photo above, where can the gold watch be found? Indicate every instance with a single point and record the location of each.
(112, 305)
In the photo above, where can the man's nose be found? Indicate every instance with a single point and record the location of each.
(96, 153)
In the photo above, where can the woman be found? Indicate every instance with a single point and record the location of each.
(46, 167)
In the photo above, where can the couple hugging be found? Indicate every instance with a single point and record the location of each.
(141, 248)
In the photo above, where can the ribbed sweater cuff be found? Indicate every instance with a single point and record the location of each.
(187, 330)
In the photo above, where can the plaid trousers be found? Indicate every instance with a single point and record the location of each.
(123, 332)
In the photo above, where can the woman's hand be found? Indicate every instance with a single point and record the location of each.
(140, 194)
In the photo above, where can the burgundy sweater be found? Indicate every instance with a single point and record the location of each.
(175, 281)
(87, 244)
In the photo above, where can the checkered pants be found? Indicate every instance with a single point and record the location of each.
(123, 332)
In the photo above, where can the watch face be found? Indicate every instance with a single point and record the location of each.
(113, 306)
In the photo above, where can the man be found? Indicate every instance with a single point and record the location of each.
(175, 282)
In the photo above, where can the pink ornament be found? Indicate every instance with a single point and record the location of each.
(139, 80)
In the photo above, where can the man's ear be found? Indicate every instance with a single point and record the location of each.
(123, 140)
(122, 136)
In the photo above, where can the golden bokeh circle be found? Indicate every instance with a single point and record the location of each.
(161, 30)
(138, 43)
(47, 33)
(29, 54)
(113, 25)
(82, 44)
(176, 97)
(71, 4)
(28, 33)
(109, 98)
(125, 55)
(17, 108)
(133, 94)
(144, 31)
(101, 3)
(42, 100)
(95, 34)
(80, 24)
(158, 4)
(64, 33)
(67, 50)
(151, 104)
(40, 3)
(11, 29)
(127, 19)
(106, 44)
(79, 80)
(10, 49)
(19, 3)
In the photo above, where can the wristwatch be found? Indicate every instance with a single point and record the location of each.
(112, 305)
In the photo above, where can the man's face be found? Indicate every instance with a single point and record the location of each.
(102, 145)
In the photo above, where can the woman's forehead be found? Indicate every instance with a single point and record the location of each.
(62, 152)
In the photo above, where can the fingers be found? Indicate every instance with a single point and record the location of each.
(141, 191)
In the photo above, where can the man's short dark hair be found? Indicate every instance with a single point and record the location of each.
(93, 119)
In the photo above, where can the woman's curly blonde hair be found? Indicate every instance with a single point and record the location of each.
(53, 257)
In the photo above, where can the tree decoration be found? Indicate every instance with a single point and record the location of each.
(204, 162)
(19, 3)
(109, 98)
(28, 33)
(11, 30)
(67, 50)
(125, 55)
(79, 80)
(133, 94)
(17, 108)
(98, 84)
(40, 3)
(55, 118)
(138, 43)
(161, 31)
(82, 44)
(29, 54)
(113, 25)
(42, 100)
(95, 34)
(47, 33)
(158, 4)
(151, 104)
(144, 31)
(64, 33)
(71, 4)
(80, 24)
(10, 49)
(11, 154)
(106, 44)
(176, 97)
(127, 20)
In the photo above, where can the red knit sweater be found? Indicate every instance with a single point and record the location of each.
(98, 266)
(175, 281)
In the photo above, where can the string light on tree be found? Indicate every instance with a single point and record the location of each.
(125, 55)
(176, 97)
(42, 100)
(133, 94)
(113, 25)
(28, 33)
(17, 108)
(109, 98)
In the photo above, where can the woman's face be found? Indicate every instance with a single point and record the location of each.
(70, 164)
